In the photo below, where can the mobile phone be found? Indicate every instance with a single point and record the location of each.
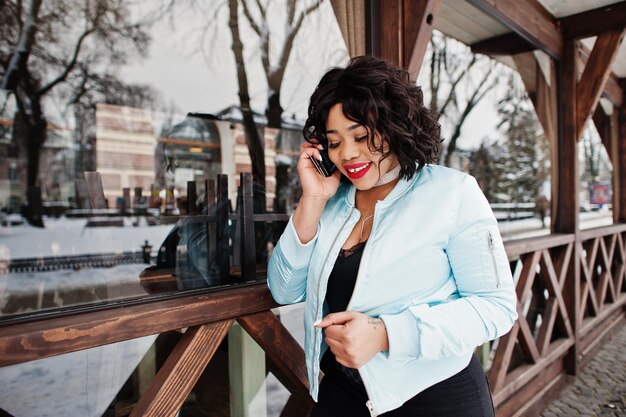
(325, 167)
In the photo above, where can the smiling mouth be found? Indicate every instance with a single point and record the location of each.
(356, 171)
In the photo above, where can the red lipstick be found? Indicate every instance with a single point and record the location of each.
(358, 170)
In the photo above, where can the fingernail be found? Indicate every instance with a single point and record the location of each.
(319, 157)
(320, 146)
(317, 323)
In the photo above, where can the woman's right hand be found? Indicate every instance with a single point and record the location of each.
(313, 184)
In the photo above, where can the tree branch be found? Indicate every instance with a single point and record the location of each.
(262, 32)
(253, 23)
(69, 66)
(277, 75)
(452, 92)
(17, 66)
(262, 9)
(291, 11)
(471, 103)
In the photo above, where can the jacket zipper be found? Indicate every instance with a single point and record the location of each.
(492, 250)
(368, 404)
(371, 408)
(319, 283)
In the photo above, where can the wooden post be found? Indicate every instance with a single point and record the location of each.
(417, 21)
(248, 247)
(223, 258)
(619, 166)
(566, 201)
(181, 370)
(400, 31)
(246, 364)
(192, 196)
(595, 75)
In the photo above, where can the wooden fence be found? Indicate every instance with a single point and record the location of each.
(570, 291)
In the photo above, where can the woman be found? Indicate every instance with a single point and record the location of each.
(400, 261)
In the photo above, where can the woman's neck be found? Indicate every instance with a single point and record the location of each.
(365, 200)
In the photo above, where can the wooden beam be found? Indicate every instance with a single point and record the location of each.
(387, 18)
(546, 105)
(513, 44)
(594, 77)
(178, 375)
(528, 70)
(23, 342)
(620, 166)
(612, 91)
(527, 18)
(401, 31)
(281, 348)
(594, 22)
(507, 44)
(602, 121)
(566, 202)
(418, 18)
(248, 244)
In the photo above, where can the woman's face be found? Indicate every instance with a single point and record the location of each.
(348, 150)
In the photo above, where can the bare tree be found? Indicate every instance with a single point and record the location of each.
(44, 45)
(458, 80)
(274, 71)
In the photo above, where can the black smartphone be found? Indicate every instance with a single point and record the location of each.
(325, 167)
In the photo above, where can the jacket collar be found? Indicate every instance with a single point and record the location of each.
(401, 187)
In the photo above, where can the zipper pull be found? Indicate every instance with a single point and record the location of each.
(492, 249)
(370, 407)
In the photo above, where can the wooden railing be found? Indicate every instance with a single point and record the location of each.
(570, 293)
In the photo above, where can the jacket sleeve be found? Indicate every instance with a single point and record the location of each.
(486, 306)
(289, 266)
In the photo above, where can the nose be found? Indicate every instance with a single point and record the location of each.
(350, 150)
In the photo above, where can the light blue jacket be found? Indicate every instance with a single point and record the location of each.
(434, 269)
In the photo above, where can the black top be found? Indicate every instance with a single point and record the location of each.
(338, 293)
(343, 277)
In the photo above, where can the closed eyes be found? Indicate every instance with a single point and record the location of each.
(359, 139)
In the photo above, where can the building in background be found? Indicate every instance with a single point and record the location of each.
(138, 148)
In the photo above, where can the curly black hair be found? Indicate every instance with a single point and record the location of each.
(380, 97)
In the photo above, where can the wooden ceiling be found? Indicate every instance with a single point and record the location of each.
(474, 23)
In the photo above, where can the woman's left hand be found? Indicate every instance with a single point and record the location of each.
(354, 337)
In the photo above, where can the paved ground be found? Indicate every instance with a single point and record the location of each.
(600, 390)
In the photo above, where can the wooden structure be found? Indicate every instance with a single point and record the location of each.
(570, 285)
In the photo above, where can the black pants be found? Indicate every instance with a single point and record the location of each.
(465, 394)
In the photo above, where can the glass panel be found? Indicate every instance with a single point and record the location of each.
(109, 162)
(596, 177)
(83, 383)
(491, 129)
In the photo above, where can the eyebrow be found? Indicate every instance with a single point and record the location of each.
(353, 127)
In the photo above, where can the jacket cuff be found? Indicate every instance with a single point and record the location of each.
(402, 333)
(298, 253)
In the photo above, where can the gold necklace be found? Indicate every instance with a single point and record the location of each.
(363, 220)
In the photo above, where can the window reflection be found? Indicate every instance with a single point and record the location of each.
(148, 213)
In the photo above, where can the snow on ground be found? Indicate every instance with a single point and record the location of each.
(520, 229)
(83, 384)
(77, 384)
(63, 237)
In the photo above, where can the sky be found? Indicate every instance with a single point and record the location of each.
(190, 77)
(198, 74)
